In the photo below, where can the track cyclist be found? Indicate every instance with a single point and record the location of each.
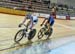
(33, 20)
(49, 22)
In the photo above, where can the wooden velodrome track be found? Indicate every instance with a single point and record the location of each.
(9, 27)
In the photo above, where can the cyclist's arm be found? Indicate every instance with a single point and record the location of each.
(24, 20)
(43, 22)
(47, 21)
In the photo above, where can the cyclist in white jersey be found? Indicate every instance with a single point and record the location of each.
(33, 20)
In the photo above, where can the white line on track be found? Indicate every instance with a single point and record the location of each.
(65, 26)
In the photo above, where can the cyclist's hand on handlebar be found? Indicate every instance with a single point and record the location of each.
(20, 25)
(41, 25)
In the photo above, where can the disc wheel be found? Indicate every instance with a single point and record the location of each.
(32, 34)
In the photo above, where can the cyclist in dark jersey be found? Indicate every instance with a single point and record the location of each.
(49, 23)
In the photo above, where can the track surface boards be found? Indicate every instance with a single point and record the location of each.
(9, 27)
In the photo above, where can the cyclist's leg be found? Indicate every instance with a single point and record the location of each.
(34, 23)
(31, 25)
(28, 23)
(52, 23)
(48, 27)
(27, 26)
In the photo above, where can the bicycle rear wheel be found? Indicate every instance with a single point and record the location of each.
(32, 34)
(50, 33)
(19, 35)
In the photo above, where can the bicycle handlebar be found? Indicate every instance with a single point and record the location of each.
(22, 24)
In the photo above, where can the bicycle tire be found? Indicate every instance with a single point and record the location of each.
(40, 33)
(32, 34)
(20, 31)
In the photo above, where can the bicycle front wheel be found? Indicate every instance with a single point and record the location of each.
(19, 35)
(41, 33)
